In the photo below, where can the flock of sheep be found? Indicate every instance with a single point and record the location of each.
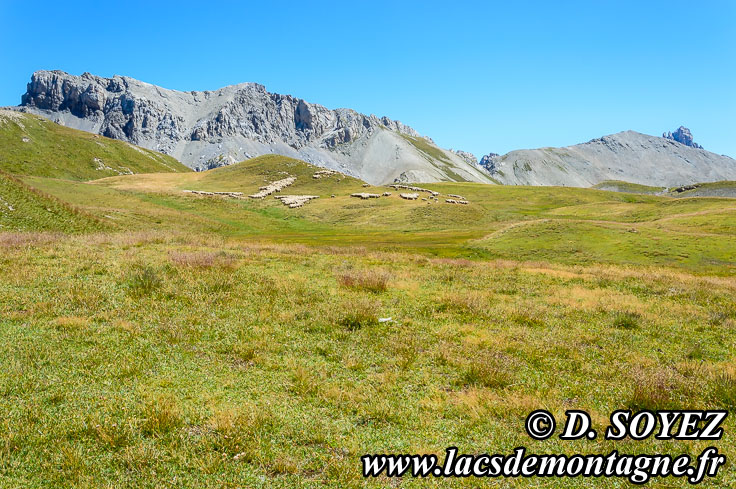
(295, 201)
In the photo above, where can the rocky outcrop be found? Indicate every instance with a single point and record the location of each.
(469, 158)
(212, 128)
(682, 135)
(626, 156)
(486, 162)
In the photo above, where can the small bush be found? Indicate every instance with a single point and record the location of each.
(371, 280)
(626, 320)
(143, 282)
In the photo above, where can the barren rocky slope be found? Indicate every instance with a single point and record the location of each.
(629, 156)
(213, 128)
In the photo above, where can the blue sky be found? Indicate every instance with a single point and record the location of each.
(476, 76)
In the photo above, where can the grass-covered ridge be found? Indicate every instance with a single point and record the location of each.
(709, 189)
(32, 145)
(434, 155)
(634, 188)
(23, 208)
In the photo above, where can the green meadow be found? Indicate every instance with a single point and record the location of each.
(152, 337)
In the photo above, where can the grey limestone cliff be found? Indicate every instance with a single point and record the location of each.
(211, 128)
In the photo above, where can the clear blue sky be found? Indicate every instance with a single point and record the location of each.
(476, 76)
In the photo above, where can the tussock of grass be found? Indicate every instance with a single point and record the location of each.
(161, 415)
(724, 390)
(239, 430)
(202, 259)
(655, 389)
(143, 281)
(359, 314)
(488, 374)
(626, 320)
(470, 303)
(368, 280)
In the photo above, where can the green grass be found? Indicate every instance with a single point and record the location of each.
(32, 145)
(160, 338)
(710, 189)
(592, 242)
(23, 208)
(633, 188)
(427, 148)
(139, 358)
(564, 225)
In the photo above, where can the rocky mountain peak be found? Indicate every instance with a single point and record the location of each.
(205, 129)
(682, 135)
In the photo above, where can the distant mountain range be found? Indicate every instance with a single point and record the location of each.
(669, 161)
(213, 128)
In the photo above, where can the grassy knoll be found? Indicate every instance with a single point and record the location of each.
(710, 189)
(633, 188)
(32, 145)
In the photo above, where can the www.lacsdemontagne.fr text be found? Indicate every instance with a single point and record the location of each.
(638, 469)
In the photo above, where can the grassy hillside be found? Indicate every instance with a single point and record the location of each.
(633, 188)
(711, 189)
(435, 155)
(206, 341)
(23, 208)
(32, 145)
(565, 225)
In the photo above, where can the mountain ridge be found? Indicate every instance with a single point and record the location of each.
(206, 129)
(627, 155)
